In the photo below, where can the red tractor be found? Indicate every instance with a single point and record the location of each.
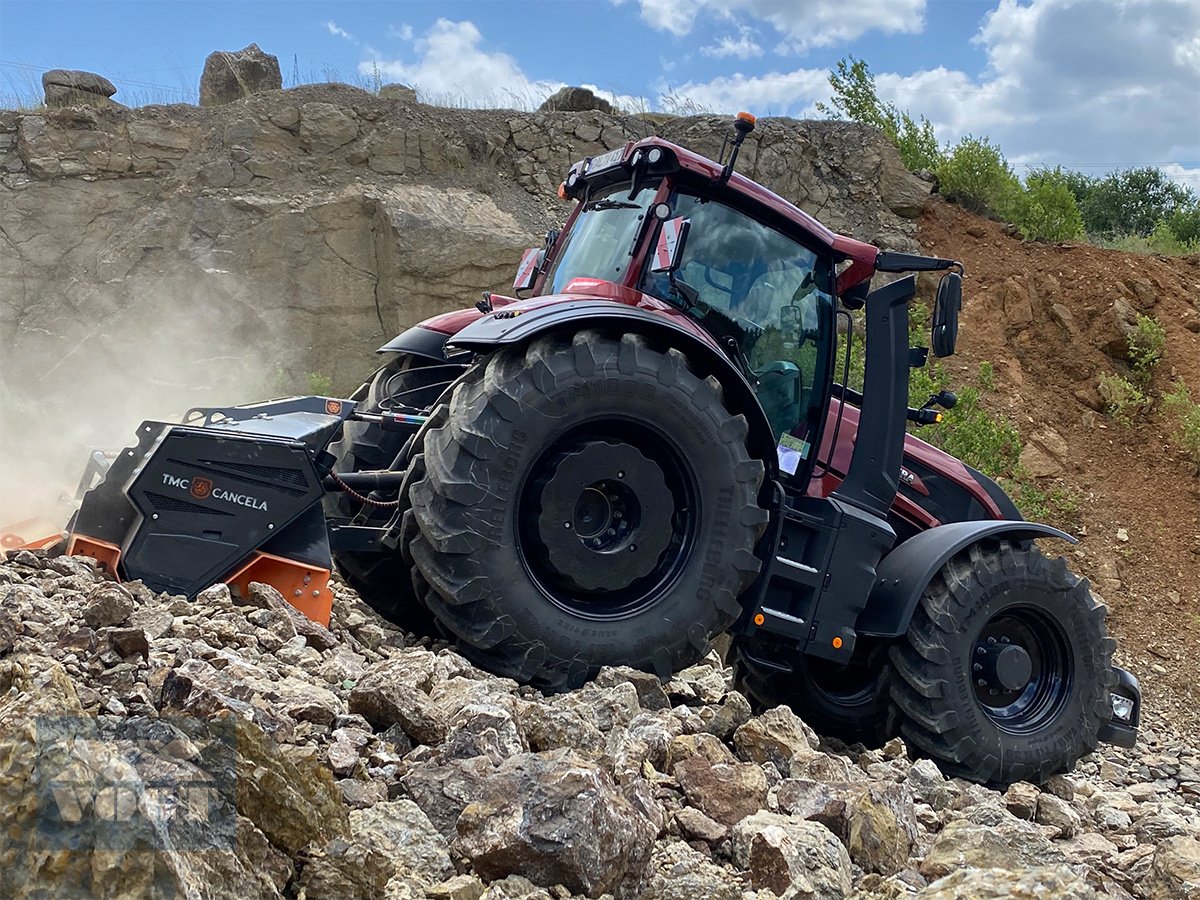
(649, 449)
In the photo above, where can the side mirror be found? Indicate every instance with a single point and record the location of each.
(527, 271)
(944, 334)
(671, 238)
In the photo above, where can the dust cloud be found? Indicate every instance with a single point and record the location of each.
(70, 386)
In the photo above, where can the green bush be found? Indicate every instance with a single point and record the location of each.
(1178, 403)
(1147, 343)
(320, 384)
(976, 176)
(1123, 399)
(1047, 209)
(1161, 241)
(1184, 225)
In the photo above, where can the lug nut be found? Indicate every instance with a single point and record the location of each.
(982, 682)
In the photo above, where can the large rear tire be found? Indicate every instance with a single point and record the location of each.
(850, 703)
(589, 501)
(1006, 669)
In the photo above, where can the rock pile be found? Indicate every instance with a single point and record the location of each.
(230, 76)
(137, 730)
(70, 87)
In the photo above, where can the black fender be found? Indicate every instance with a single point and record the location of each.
(419, 341)
(904, 573)
(506, 327)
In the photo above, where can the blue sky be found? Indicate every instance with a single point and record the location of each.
(1090, 84)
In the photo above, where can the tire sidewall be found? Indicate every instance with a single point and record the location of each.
(1077, 720)
(689, 607)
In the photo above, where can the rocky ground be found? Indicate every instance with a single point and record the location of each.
(150, 746)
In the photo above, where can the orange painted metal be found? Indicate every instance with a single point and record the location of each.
(13, 537)
(108, 555)
(303, 586)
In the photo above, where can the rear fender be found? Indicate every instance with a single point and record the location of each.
(510, 327)
(904, 573)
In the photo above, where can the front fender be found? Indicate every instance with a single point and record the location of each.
(507, 327)
(904, 573)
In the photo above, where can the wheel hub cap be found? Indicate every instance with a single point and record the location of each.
(606, 516)
(1005, 666)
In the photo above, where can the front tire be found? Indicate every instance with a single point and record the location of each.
(589, 501)
(850, 703)
(1006, 669)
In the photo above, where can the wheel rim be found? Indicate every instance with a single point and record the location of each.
(1021, 668)
(607, 520)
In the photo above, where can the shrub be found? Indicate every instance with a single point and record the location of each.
(1047, 210)
(1184, 225)
(320, 384)
(987, 376)
(975, 175)
(1147, 342)
(1123, 399)
(1179, 404)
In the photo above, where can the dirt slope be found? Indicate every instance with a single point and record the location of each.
(1049, 319)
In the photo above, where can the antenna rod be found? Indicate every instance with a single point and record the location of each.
(743, 124)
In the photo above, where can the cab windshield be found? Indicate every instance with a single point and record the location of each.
(768, 295)
(603, 237)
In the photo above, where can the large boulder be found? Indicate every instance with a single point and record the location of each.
(1175, 870)
(387, 840)
(71, 87)
(230, 76)
(555, 818)
(575, 99)
(1000, 884)
(119, 807)
(792, 856)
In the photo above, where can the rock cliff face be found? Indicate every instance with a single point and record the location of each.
(298, 230)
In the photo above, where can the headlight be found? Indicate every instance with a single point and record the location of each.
(1122, 707)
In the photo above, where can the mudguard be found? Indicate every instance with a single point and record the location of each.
(418, 341)
(904, 573)
(515, 326)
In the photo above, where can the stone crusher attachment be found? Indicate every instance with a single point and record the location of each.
(229, 495)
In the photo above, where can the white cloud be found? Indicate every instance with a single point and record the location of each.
(332, 28)
(452, 67)
(743, 46)
(800, 25)
(403, 32)
(1184, 176)
(1094, 85)
(777, 93)
(1103, 83)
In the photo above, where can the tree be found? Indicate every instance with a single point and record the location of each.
(855, 98)
(1132, 201)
